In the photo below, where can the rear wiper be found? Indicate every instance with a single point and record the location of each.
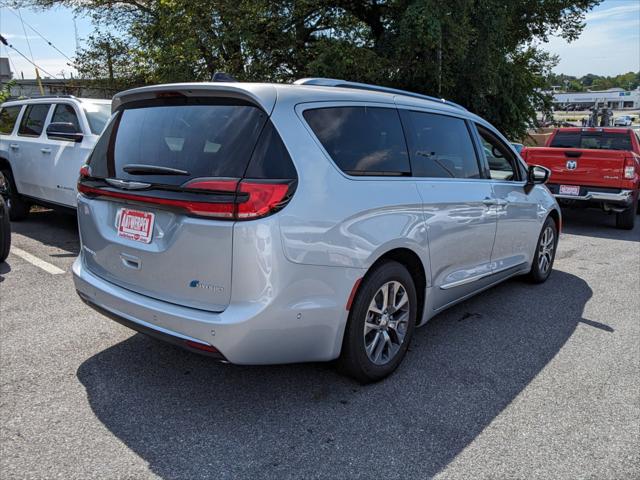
(139, 169)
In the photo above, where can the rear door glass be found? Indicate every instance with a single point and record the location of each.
(33, 119)
(592, 140)
(64, 113)
(8, 116)
(362, 140)
(201, 138)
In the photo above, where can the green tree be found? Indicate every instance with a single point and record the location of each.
(480, 53)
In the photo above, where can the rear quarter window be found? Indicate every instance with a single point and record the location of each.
(362, 140)
(8, 117)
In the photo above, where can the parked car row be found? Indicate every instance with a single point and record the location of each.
(44, 143)
(270, 223)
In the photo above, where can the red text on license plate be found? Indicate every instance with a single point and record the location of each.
(135, 225)
(569, 190)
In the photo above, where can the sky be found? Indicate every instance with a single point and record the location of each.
(609, 44)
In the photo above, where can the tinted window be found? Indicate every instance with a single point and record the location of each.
(270, 158)
(203, 139)
(362, 140)
(8, 116)
(65, 114)
(592, 140)
(502, 162)
(97, 114)
(33, 120)
(440, 146)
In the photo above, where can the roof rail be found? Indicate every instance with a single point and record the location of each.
(47, 96)
(334, 82)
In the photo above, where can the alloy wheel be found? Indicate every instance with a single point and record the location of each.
(385, 326)
(545, 250)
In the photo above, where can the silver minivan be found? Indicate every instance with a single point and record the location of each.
(321, 220)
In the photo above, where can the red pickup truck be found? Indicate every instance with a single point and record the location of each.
(593, 167)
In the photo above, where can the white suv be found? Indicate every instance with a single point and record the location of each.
(43, 143)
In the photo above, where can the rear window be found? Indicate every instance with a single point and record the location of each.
(8, 116)
(592, 140)
(197, 136)
(362, 140)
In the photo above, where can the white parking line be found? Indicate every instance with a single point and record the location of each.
(46, 266)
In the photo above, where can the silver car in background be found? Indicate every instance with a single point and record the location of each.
(623, 121)
(270, 223)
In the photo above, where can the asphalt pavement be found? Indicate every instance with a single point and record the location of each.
(521, 381)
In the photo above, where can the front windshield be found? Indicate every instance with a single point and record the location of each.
(97, 114)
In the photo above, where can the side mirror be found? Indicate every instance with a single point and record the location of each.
(538, 175)
(64, 131)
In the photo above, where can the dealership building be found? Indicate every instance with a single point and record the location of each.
(615, 98)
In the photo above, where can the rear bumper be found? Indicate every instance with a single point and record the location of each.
(309, 329)
(623, 197)
(610, 196)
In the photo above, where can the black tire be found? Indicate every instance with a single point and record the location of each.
(5, 232)
(354, 360)
(18, 206)
(541, 268)
(627, 219)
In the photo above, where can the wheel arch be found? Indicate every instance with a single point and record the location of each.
(557, 217)
(4, 164)
(413, 263)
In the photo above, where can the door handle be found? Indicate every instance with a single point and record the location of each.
(14, 146)
(45, 150)
(489, 201)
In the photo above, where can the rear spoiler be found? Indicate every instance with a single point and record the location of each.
(261, 95)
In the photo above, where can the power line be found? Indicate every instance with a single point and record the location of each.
(40, 35)
(26, 37)
(4, 42)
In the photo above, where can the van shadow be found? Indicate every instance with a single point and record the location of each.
(57, 228)
(191, 418)
(591, 222)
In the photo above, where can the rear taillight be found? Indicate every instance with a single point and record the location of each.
(629, 168)
(85, 171)
(204, 209)
(263, 198)
(245, 199)
(255, 199)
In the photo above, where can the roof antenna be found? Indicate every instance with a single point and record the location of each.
(222, 77)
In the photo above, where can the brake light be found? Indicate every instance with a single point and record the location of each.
(251, 199)
(263, 198)
(629, 168)
(85, 171)
(205, 209)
